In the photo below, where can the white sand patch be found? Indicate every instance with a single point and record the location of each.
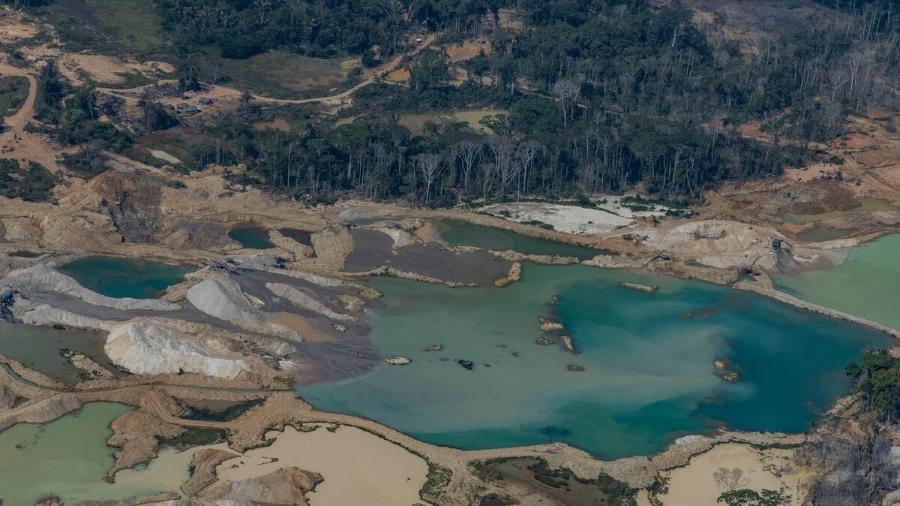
(400, 237)
(773, 469)
(571, 219)
(152, 348)
(220, 296)
(616, 205)
(162, 155)
(358, 467)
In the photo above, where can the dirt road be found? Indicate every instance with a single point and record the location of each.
(15, 142)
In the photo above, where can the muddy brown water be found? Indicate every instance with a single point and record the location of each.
(301, 236)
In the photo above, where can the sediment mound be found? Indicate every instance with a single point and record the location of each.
(288, 485)
(145, 347)
(47, 315)
(221, 297)
(44, 278)
(305, 301)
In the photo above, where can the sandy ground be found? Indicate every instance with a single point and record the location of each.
(164, 156)
(570, 219)
(467, 50)
(14, 27)
(170, 468)
(773, 469)
(109, 69)
(16, 142)
(358, 467)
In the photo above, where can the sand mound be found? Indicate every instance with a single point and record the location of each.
(221, 297)
(719, 243)
(151, 348)
(47, 315)
(44, 278)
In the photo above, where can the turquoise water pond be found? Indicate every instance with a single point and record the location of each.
(251, 237)
(124, 277)
(648, 363)
(867, 284)
(463, 233)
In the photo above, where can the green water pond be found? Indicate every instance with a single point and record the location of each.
(40, 348)
(866, 284)
(251, 237)
(124, 277)
(463, 233)
(648, 363)
(69, 457)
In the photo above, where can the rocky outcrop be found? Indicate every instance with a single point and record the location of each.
(515, 256)
(87, 365)
(161, 499)
(137, 434)
(390, 271)
(639, 287)
(221, 297)
(306, 301)
(204, 464)
(514, 275)
(44, 278)
(288, 485)
(146, 347)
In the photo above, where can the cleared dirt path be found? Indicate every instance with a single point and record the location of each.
(374, 76)
(130, 95)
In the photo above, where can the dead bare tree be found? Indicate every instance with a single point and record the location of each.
(565, 91)
(728, 479)
(525, 156)
(503, 148)
(468, 153)
(431, 165)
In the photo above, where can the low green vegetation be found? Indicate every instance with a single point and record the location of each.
(13, 92)
(747, 497)
(72, 115)
(617, 492)
(277, 74)
(196, 436)
(877, 375)
(599, 97)
(108, 26)
(33, 183)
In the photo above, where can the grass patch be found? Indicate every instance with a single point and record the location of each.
(13, 92)
(179, 142)
(224, 415)
(276, 74)
(108, 26)
(196, 436)
(417, 123)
